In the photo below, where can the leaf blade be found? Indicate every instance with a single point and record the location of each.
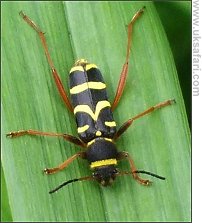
(125, 200)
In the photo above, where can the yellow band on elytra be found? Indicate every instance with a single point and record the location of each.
(79, 66)
(110, 124)
(89, 66)
(103, 163)
(83, 128)
(76, 68)
(86, 109)
(87, 85)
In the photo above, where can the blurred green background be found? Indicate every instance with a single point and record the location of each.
(176, 19)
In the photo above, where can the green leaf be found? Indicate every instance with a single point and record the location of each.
(5, 207)
(159, 143)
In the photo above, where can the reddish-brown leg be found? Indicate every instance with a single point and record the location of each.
(125, 155)
(67, 137)
(124, 71)
(56, 77)
(64, 164)
(127, 124)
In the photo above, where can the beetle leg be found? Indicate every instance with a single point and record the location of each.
(125, 155)
(124, 71)
(128, 123)
(64, 164)
(56, 77)
(67, 137)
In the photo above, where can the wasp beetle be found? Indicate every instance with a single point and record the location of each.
(96, 127)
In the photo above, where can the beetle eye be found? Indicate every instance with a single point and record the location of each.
(96, 174)
(115, 171)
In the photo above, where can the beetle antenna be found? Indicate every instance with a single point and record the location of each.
(70, 181)
(91, 178)
(151, 174)
(144, 172)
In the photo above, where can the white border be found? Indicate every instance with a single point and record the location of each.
(196, 113)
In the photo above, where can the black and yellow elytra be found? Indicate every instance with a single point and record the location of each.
(92, 110)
